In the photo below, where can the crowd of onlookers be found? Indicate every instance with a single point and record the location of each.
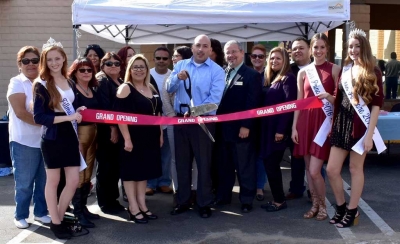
(54, 150)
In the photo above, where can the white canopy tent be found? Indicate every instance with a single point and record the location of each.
(180, 21)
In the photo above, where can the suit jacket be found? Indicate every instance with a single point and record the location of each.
(243, 93)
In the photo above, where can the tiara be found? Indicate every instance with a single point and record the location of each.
(51, 43)
(357, 32)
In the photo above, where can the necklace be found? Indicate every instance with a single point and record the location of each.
(87, 90)
(154, 107)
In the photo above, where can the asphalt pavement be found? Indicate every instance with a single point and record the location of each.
(379, 220)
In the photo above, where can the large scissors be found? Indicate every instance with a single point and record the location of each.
(196, 111)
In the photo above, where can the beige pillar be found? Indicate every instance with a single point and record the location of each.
(381, 38)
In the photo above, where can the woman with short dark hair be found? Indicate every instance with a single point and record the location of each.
(95, 53)
(82, 73)
(24, 136)
(107, 137)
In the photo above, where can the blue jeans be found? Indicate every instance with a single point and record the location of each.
(165, 179)
(30, 180)
(261, 175)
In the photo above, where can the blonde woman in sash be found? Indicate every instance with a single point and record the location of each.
(363, 80)
(313, 125)
(59, 143)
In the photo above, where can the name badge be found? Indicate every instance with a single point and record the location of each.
(238, 83)
(155, 95)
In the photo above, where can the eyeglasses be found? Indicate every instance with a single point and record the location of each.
(232, 52)
(138, 68)
(163, 58)
(260, 56)
(26, 61)
(110, 63)
(85, 70)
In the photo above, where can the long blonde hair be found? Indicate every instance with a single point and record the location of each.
(269, 73)
(366, 82)
(128, 75)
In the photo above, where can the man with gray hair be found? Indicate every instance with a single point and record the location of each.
(236, 140)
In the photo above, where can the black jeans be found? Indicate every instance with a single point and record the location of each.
(391, 88)
(298, 167)
(107, 175)
(274, 174)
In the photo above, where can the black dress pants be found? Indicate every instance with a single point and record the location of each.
(391, 88)
(192, 142)
(298, 167)
(274, 174)
(242, 157)
(107, 175)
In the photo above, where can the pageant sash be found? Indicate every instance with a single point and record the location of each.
(363, 112)
(69, 109)
(327, 107)
(111, 117)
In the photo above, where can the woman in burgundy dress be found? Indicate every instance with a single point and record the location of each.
(348, 128)
(307, 123)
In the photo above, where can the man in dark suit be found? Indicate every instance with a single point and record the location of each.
(235, 140)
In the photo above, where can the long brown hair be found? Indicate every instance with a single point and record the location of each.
(44, 74)
(269, 73)
(366, 82)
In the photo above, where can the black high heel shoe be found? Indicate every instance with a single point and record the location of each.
(149, 216)
(350, 218)
(132, 217)
(339, 214)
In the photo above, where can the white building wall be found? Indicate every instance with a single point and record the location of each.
(32, 22)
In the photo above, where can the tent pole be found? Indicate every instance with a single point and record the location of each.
(346, 32)
(306, 30)
(74, 42)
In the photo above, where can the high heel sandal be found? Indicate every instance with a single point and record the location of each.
(133, 218)
(314, 209)
(148, 216)
(322, 214)
(339, 214)
(350, 218)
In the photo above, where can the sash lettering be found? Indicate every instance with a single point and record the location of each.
(69, 109)
(362, 111)
(327, 107)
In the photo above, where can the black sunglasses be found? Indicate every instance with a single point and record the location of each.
(110, 63)
(26, 61)
(85, 70)
(163, 58)
(260, 56)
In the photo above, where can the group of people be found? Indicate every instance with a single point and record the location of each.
(54, 151)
